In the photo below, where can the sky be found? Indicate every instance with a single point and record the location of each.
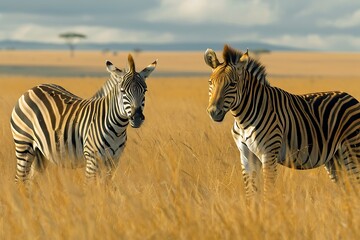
(327, 25)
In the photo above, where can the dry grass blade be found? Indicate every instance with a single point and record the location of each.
(179, 176)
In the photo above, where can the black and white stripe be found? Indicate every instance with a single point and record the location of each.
(51, 124)
(273, 126)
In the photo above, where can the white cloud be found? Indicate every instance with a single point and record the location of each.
(100, 34)
(352, 20)
(95, 34)
(320, 8)
(41, 28)
(245, 13)
(312, 41)
(246, 37)
(319, 42)
(271, 21)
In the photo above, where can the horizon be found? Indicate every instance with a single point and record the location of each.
(320, 25)
(137, 47)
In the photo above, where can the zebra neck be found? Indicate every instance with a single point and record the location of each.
(116, 114)
(256, 72)
(107, 87)
(252, 103)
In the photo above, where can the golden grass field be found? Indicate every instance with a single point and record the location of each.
(180, 174)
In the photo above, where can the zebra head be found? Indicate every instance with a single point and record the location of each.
(225, 80)
(131, 90)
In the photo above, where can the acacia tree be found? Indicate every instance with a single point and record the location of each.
(71, 39)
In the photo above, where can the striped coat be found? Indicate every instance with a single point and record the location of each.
(274, 127)
(50, 124)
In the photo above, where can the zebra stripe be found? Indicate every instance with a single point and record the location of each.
(273, 126)
(51, 124)
(110, 83)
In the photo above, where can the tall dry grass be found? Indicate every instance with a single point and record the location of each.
(179, 178)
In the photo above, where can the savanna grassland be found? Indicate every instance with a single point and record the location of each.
(179, 176)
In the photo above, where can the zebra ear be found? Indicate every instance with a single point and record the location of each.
(230, 55)
(244, 58)
(131, 63)
(111, 68)
(148, 70)
(211, 59)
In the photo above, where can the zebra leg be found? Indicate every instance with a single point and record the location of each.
(332, 167)
(110, 165)
(92, 167)
(98, 171)
(250, 168)
(269, 167)
(351, 164)
(25, 156)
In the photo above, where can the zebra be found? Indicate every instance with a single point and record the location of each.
(50, 124)
(272, 126)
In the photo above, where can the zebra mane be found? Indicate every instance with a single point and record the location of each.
(106, 88)
(116, 77)
(113, 81)
(255, 68)
(257, 71)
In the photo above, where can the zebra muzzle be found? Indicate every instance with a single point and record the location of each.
(216, 114)
(137, 118)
